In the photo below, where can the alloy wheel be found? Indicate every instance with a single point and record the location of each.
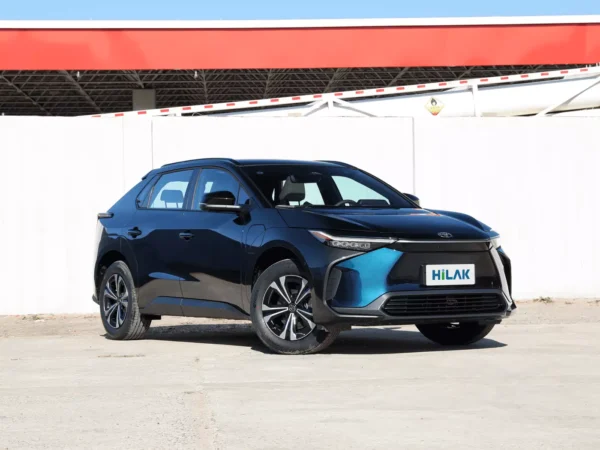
(287, 309)
(116, 301)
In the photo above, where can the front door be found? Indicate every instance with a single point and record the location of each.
(155, 241)
(214, 247)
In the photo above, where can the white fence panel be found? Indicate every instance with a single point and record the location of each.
(382, 146)
(535, 180)
(57, 174)
(137, 151)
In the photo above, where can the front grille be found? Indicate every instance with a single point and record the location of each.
(442, 304)
(410, 268)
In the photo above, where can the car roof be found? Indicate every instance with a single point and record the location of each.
(230, 163)
(286, 162)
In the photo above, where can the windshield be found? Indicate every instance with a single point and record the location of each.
(323, 186)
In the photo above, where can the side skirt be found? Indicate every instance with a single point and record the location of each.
(172, 306)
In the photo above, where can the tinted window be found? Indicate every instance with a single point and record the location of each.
(307, 185)
(214, 180)
(170, 190)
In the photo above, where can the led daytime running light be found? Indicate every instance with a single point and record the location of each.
(351, 243)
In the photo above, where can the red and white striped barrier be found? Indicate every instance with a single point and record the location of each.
(300, 99)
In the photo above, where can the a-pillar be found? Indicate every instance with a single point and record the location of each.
(143, 99)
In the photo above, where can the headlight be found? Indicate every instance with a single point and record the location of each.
(496, 241)
(351, 243)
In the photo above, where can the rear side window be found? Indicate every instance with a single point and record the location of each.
(170, 190)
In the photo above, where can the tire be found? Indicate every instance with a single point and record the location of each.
(463, 333)
(286, 327)
(121, 318)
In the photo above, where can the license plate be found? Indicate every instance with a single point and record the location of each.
(449, 274)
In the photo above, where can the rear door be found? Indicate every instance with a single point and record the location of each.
(214, 250)
(154, 237)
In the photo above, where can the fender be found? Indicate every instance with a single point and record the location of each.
(271, 238)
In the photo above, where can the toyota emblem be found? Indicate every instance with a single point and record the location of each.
(444, 235)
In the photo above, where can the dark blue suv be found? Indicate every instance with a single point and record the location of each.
(303, 249)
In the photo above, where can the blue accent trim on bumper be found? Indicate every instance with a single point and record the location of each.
(364, 278)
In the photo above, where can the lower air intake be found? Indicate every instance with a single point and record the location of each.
(441, 304)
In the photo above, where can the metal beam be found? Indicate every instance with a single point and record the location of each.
(20, 91)
(349, 106)
(465, 73)
(205, 86)
(138, 80)
(398, 76)
(572, 96)
(269, 74)
(81, 90)
(335, 77)
(332, 103)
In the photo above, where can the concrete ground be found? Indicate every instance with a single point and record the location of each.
(535, 383)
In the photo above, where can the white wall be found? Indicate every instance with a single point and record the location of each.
(533, 179)
(55, 176)
(382, 146)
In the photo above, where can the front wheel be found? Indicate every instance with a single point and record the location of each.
(281, 312)
(463, 333)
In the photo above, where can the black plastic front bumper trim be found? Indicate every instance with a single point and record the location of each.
(374, 313)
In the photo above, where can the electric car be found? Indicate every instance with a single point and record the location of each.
(303, 249)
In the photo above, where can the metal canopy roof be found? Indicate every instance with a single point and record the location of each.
(74, 93)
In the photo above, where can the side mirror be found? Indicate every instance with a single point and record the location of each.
(414, 198)
(220, 201)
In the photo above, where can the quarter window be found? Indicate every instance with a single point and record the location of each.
(170, 190)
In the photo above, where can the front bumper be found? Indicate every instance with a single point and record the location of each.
(413, 310)
(385, 286)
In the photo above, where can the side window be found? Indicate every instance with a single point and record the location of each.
(353, 190)
(213, 183)
(170, 189)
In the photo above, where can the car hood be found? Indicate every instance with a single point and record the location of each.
(401, 223)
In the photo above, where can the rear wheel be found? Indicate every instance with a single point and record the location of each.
(462, 333)
(281, 312)
(118, 305)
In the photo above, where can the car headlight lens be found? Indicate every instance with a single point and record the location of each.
(351, 243)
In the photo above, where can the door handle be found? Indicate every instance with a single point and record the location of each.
(186, 236)
(134, 232)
